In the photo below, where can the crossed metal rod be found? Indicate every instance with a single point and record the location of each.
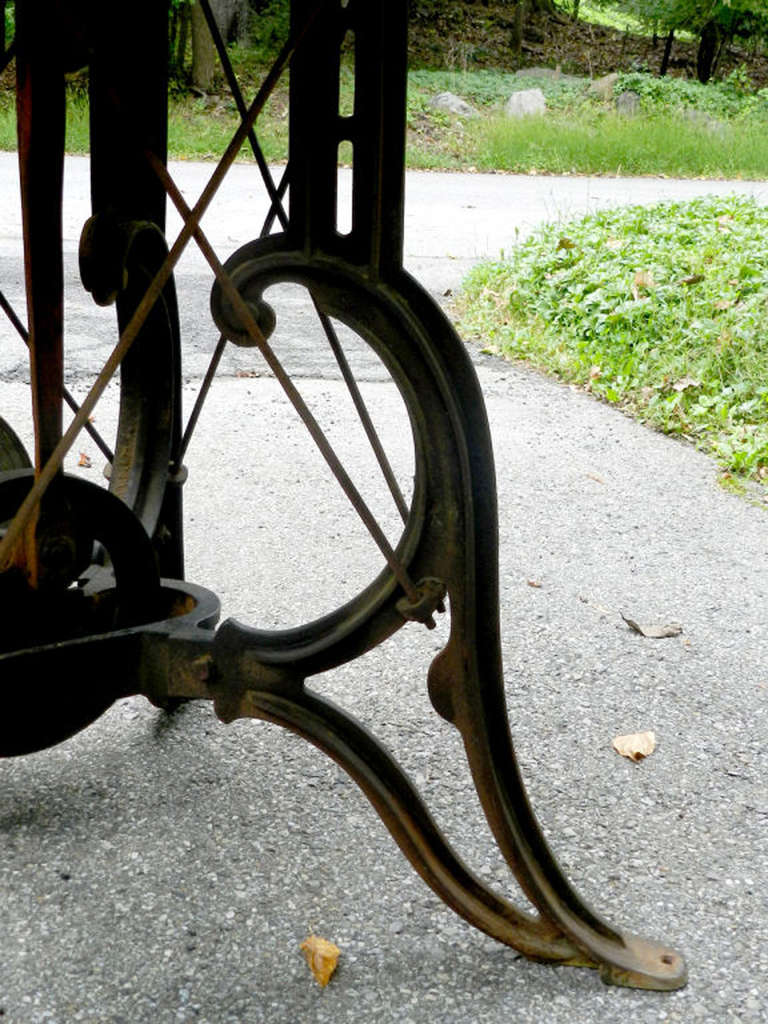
(190, 229)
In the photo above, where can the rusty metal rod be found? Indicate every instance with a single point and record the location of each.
(362, 411)
(202, 394)
(237, 96)
(284, 379)
(277, 210)
(23, 333)
(8, 56)
(50, 469)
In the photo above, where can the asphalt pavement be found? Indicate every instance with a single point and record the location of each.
(160, 869)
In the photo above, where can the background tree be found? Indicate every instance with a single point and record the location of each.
(188, 22)
(716, 22)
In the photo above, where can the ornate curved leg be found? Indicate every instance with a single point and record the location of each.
(449, 545)
(399, 805)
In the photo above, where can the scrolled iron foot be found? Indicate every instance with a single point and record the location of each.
(566, 932)
(479, 713)
(450, 538)
(402, 810)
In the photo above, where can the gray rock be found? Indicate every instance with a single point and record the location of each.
(525, 103)
(551, 75)
(628, 104)
(453, 105)
(703, 119)
(603, 87)
(537, 72)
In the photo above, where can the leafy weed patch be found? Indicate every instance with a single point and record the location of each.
(660, 310)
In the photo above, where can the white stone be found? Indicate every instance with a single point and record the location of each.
(526, 103)
(454, 105)
(628, 104)
(603, 87)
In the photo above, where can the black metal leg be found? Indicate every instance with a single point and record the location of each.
(448, 546)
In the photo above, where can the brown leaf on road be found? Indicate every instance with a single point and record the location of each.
(322, 957)
(635, 745)
(654, 632)
(84, 461)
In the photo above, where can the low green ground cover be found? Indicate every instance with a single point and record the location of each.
(660, 310)
(718, 130)
(605, 143)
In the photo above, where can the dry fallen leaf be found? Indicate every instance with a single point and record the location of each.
(636, 745)
(84, 461)
(534, 583)
(654, 632)
(643, 282)
(692, 279)
(322, 957)
(686, 382)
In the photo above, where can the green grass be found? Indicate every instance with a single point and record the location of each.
(660, 310)
(598, 15)
(603, 143)
(194, 133)
(718, 130)
(579, 134)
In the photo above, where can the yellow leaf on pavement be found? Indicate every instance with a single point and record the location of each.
(322, 957)
(636, 745)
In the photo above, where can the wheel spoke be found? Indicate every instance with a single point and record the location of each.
(202, 394)
(50, 466)
(275, 196)
(21, 330)
(277, 211)
(285, 381)
(8, 56)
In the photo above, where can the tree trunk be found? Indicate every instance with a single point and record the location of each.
(667, 52)
(203, 51)
(705, 58)
(724, 43)
(183, 37)
(517, 26)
